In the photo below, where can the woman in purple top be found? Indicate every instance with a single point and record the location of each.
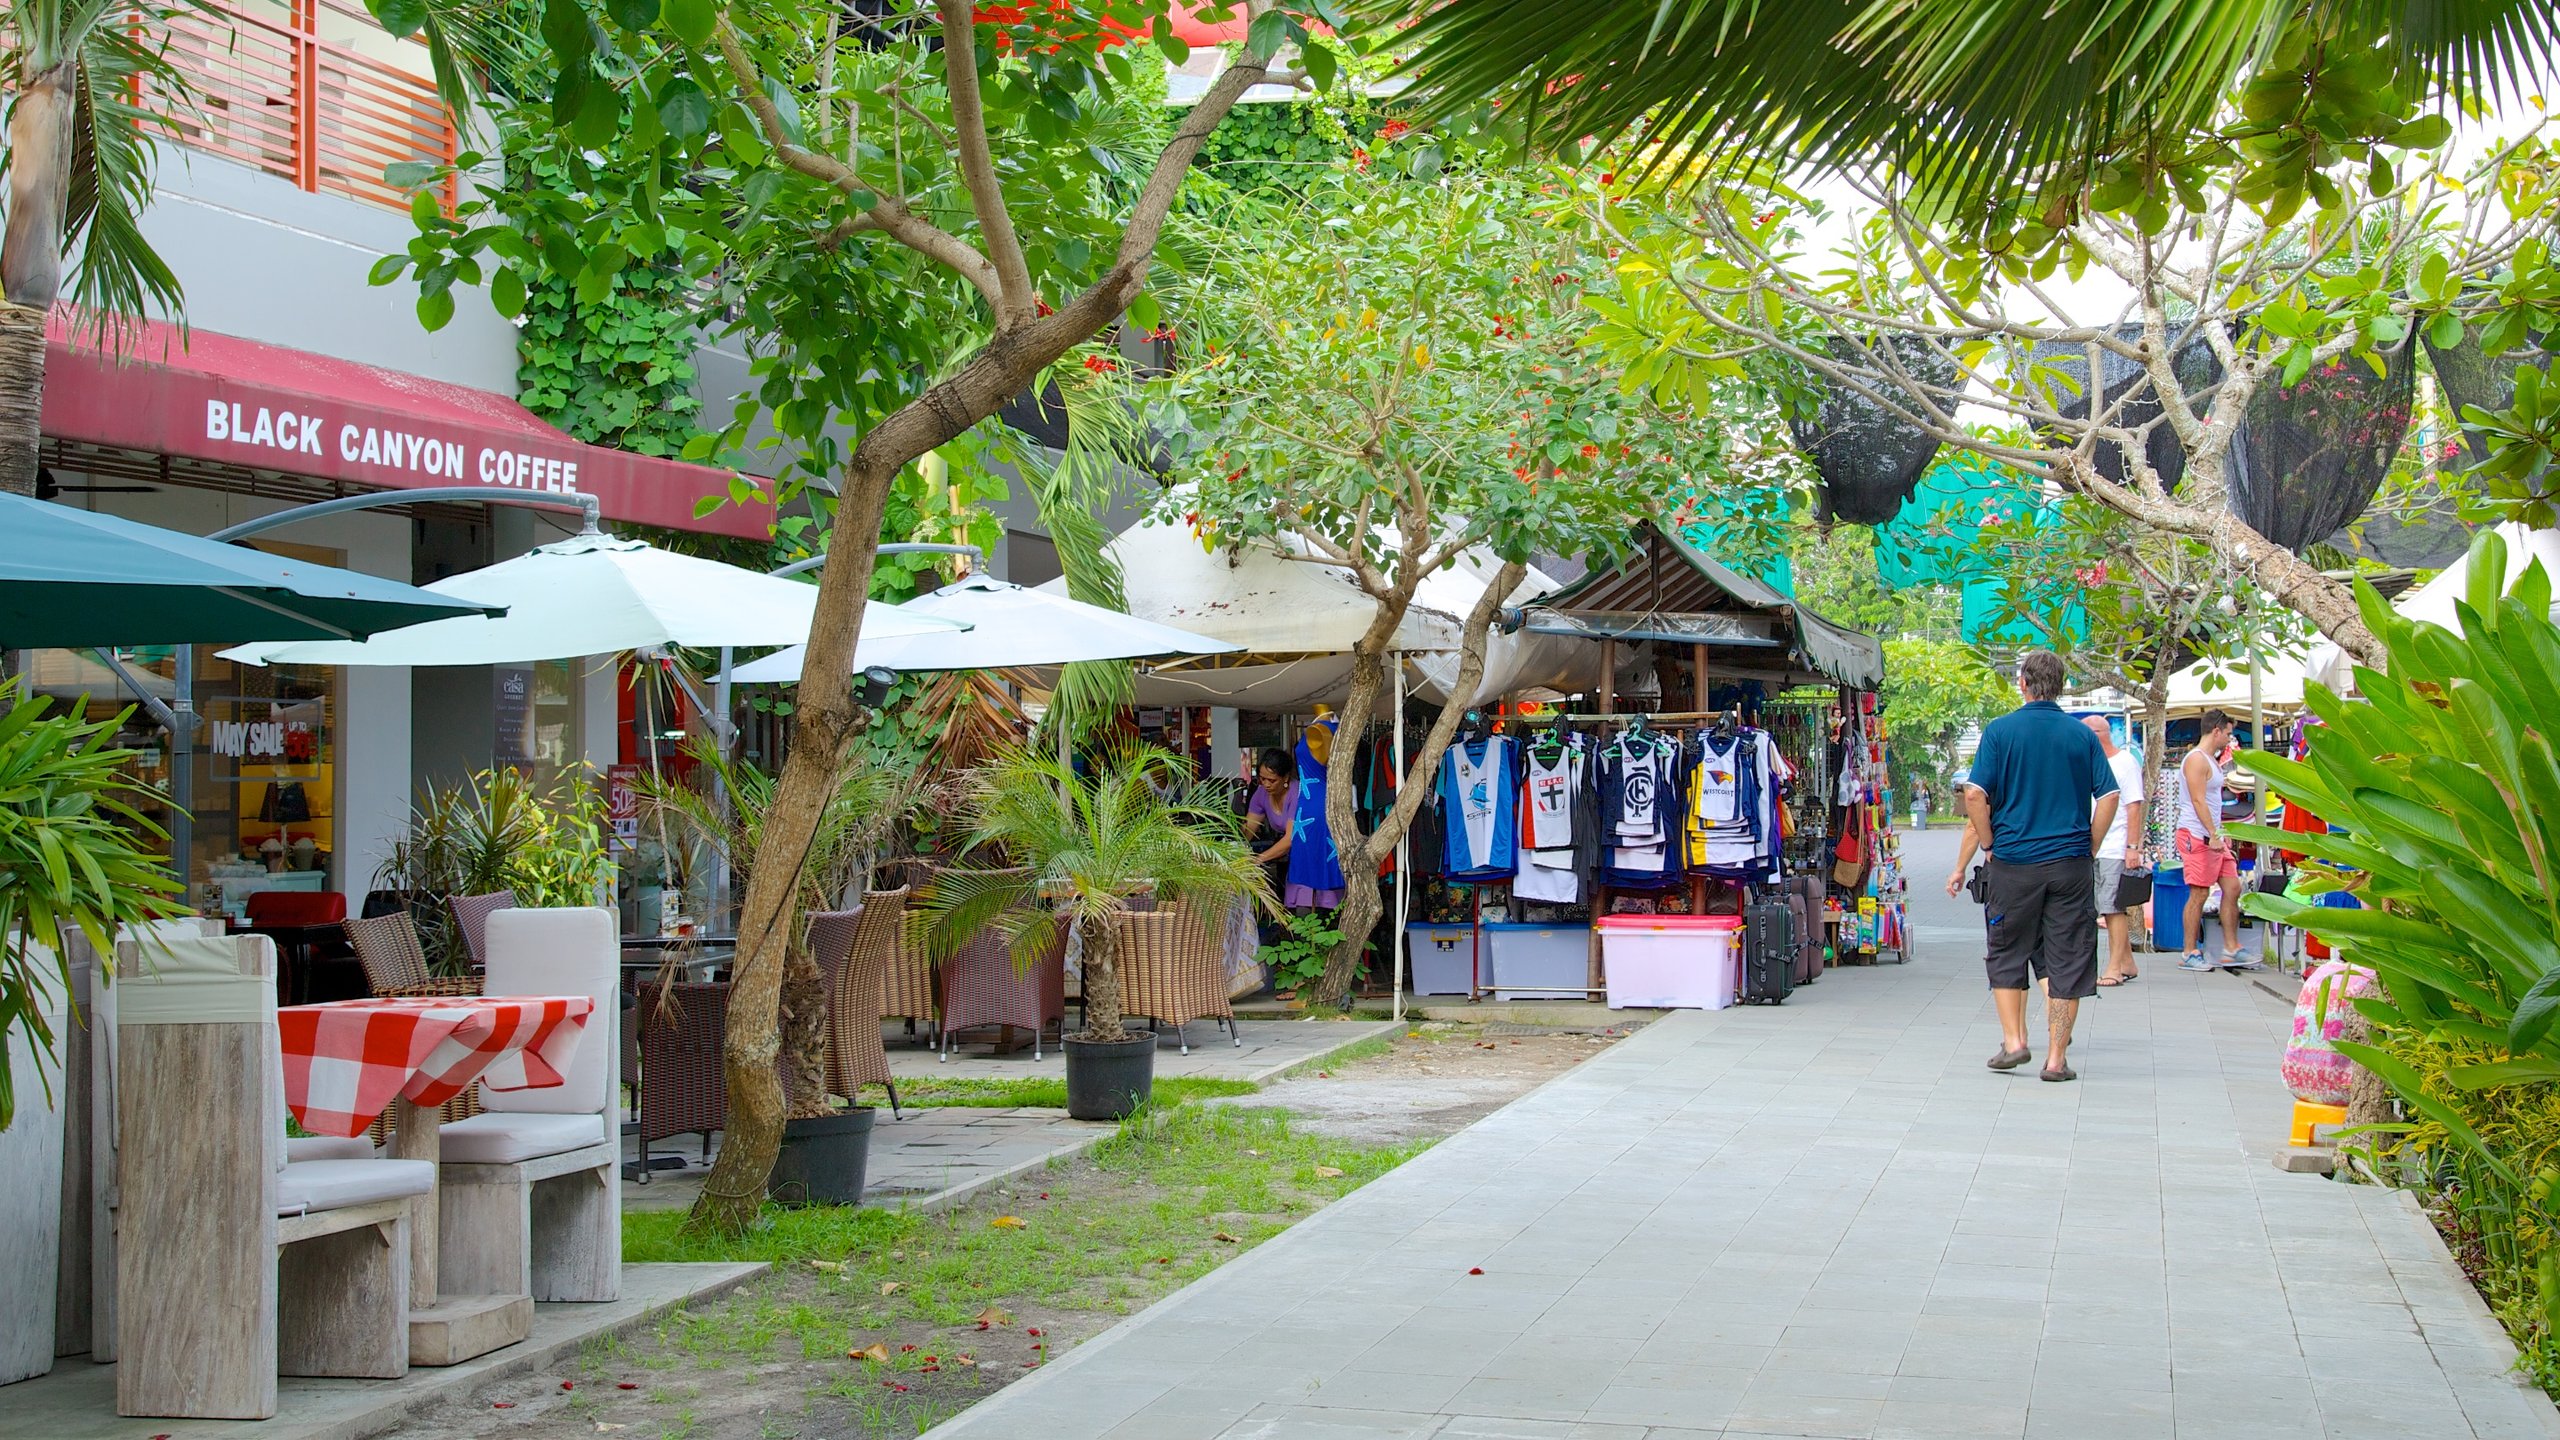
(1275, 802)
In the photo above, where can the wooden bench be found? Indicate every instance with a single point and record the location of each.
(232, 1264)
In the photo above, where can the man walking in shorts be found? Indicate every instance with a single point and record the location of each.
(2042, 790)
(2204, 852)
(2120, 853)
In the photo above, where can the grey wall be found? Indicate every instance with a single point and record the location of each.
(264, 260)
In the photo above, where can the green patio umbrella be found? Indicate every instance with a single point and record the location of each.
(74, 579)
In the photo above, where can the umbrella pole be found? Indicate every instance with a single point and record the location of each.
(1404, 844)
(720, 874)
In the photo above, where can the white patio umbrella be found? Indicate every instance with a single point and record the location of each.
(595, 595)
(1014, 628)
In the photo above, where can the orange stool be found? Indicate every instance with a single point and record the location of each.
(2307, 1117)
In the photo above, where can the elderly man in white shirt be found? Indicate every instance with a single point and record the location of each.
(2118, 854)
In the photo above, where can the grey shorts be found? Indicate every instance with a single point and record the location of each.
(2110, 878)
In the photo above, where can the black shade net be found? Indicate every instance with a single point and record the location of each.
(1869, 458)
(2469, 375)
(2311, 455)
(2059, 377)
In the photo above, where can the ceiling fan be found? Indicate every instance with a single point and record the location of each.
(48, 488)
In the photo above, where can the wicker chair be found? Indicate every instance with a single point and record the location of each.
(395, 964)
(1173, 970)
(855, 1056)
(471, 913)
(906, 971)
(980, 985)
(682, 1088)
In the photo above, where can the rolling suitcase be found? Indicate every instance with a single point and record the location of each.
(1768, 958)
(1812, 892)
(1808, 946)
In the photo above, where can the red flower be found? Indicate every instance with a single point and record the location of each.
(1099, 366)
(1590, 452)
(1394, 130)
(1360, 159)
(1042, 308)
(1606, 178)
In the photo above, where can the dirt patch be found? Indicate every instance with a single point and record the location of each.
(876, 1325)
(1437, 1080)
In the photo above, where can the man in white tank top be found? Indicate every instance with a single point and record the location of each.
(2204, 852)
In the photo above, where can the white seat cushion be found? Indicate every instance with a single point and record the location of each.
(561, 951)
(511, 1138)
(308, 1185)
(326, 1147)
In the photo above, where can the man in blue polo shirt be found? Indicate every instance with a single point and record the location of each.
(2042, 790)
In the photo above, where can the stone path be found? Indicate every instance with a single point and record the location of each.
(1828, 1219)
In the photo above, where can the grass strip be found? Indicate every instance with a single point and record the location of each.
(1036, 1093)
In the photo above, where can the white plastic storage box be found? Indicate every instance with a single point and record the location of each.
(1443, 958)
(1671, 961)
(1538, 962)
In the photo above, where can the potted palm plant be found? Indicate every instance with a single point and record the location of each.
(824, 1150)
(1050, 849)
(498, 830)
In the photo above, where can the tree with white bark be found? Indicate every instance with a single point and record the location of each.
(2195, 298)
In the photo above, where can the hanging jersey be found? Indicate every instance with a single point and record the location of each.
(1550, 787)
(1478, 793)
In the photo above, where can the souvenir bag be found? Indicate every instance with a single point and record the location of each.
(2313, 1068)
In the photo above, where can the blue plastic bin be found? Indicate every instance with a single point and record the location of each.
(2169, 911)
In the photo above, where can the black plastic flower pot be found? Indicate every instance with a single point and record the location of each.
(1109, 1079)
(823, 1159)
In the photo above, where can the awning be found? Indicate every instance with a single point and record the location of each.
(1669, 590)
(230, 401)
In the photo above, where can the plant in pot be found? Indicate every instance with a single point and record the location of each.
(824, 1149)
(80, 853)
(497, 830)
(1050, 848)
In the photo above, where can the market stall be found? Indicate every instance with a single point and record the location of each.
(1716, 812)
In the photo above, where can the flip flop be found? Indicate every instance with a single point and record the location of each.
(2108, 984)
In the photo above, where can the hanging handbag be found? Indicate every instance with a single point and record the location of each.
(2133, 891)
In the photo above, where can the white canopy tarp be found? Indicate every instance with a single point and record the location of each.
(2212, 685)
(596, 595)
(2433, 602)
(1013, 628)
(1296, 621)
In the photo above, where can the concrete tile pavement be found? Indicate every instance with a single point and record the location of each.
(1828, 1219)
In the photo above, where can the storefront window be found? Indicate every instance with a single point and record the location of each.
(266, 779)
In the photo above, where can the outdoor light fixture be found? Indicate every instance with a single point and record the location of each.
(874, 690)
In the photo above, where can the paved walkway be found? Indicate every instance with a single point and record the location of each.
(1828, 1219)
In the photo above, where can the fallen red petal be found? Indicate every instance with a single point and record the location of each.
(1031, 1332)
(568, 1384)
(626, 1385)
(502, 1404)
(1475, 1270)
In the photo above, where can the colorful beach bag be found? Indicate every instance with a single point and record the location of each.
(2313, 1068)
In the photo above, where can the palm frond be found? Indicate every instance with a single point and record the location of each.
(1977, 98)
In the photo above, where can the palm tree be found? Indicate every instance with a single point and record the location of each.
(1062, 849)
(1985, 98)
(868, 801)
(79, 164)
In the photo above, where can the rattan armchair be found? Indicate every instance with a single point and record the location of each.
(1173, 970)
(907, 991)
(682, 1087)
(855, 1055)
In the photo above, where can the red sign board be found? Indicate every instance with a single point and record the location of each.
(224, 399)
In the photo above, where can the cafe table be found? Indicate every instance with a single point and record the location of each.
(345, 1061)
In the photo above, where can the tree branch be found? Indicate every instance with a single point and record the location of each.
(1015, 301)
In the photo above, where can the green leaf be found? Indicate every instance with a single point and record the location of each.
(2524, 1070)
(565, 30)
(1262, 39)
(387, 269)
(506, 292)
(403, 18)
(691, 20)
(2427, 132)
(684, 108)
(1319, 63)
(2445, 331)
(633, 14)
(2413, 1091)
(435, 309)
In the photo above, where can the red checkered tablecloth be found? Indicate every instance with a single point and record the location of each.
(344, 1061)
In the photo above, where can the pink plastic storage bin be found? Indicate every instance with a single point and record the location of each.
(1670, 962)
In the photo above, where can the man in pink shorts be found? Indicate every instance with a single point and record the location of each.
(2204, 852)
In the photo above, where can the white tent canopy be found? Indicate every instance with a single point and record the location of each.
(1014, 628)
(1295, 621)
(595, 595)
(2212, 685)
(2433, 602)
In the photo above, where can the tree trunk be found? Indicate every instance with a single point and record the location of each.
(21, 397)
(1363, 905)
(40, 128)
(804, 1035)
(769, 920)
(1102, 1014)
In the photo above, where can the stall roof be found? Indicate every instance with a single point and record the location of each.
(1669, 590)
